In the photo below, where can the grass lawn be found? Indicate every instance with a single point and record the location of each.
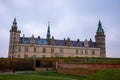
(108, 74)
(35, 75)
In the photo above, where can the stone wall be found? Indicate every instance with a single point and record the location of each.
(43, 69)
(54, 51)
(84, 69)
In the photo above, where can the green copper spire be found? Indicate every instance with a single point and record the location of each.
(48, 31)
(14, 22)
(100, 29)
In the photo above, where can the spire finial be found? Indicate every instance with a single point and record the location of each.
(100, 29)
(99, 23)
(15, 22)
(48, 31)
(48, 27)
(99, 17)
(48, 23)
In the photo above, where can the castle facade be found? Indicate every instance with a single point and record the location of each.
(34, 47)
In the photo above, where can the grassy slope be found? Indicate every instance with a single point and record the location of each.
(108, 74)
(28, 77)
(34, 75)
(55, 74)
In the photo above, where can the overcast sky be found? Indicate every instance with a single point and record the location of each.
(68, 18)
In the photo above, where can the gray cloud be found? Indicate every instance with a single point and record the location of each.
(69, 18)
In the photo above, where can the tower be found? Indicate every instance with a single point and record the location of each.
(100, 40)
(14, 39)
(48, 31)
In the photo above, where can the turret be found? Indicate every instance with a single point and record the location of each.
(100, 39)
(14, 26)
(14, 39)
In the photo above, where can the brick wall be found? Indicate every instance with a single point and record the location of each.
(84, 69)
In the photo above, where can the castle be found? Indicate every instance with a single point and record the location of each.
(31, 47)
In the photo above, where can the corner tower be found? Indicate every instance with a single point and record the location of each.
(14, 39)
(100, 39)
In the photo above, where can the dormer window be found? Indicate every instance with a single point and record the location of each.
(32, 39)
(85, 43)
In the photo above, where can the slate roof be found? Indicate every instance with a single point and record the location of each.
(38, 41)
(42, 41)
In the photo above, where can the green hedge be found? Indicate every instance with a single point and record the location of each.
(92, 61)
(16, 63)
(27, 63)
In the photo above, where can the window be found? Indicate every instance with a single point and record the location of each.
(52, 50)
(34, 56)
(34, 50)
(93, 52)
(25, 56)
(76, 51)
(44, 56)
(13, 41)
(81, 51)
(44, 50)
(19, 49)
(18, 55)
(86, 52)
(56, 54)
(14, 37)
(26, 49)
(32, 40)
(61, 50)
